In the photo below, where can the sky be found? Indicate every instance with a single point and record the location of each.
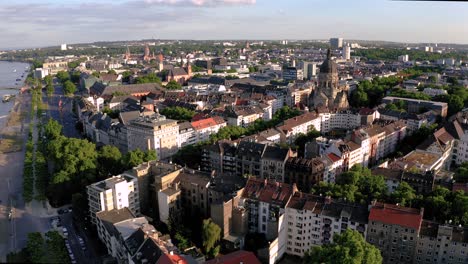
(38, 23)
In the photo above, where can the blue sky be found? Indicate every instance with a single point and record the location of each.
(34, 23)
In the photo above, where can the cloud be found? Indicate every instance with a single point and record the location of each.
(200, 2)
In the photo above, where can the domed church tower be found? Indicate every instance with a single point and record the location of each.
(328, 92)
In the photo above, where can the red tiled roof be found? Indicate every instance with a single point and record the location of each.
(268, 191)
(333, 157)
(396, 215)
(236, 258)
(205, 123)
(171, 259)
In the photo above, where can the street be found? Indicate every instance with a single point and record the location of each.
(64, 114)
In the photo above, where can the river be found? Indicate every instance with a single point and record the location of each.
(9, 73)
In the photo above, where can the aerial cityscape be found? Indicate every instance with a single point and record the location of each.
(234, 131)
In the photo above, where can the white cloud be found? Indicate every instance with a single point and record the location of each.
(201, 2)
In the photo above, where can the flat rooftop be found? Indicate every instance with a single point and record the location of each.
(422, 158)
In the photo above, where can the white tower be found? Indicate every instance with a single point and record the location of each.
(347, 52)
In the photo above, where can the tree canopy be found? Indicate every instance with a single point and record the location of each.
(63, 76)
(211, 234)
(149, 78)
(173, 85)
(69, 87)
(178, 113)
(348, 247)
(355, 185)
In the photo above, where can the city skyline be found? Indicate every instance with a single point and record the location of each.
(49, 23)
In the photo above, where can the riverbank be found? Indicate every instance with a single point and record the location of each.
(12, 130)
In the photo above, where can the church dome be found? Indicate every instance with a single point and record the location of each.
(329, 66)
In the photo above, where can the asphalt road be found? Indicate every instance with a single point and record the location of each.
(81, 256)
(63, 115)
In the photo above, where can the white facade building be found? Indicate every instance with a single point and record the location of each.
(116, 192)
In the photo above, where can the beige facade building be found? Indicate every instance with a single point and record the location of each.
(154, 133)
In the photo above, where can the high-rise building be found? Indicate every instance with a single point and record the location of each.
(403, 58)
(309, 69)
(292, 74)
(347, 52)
(63, 47)
(336, 43)
(116, 192)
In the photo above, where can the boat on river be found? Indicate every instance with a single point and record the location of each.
(7, 97)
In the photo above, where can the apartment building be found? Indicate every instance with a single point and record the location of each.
(133, 240)
(305, 173)
(441, 243)
(458, 128)
(154, 176)
(249, 158)
(273, 163)
(314, 220)
(154, 133)
(206, 127)
(265, 201)
(116, 192)
(220, 158)
(187, 135)
(302, 124)
(415, 105)
(394, 230)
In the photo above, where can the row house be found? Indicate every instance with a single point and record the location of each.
(394, 230)
(458, 128)
(305, 173)
(422, 183)
(132, 240)
(249, 158)
(403, 236)
(274, 163)
(243, 115)
(220, 158)
(302, 124)
(314, 220)
(345, 119)
(265, 202)
(187, 135)
(204, 128)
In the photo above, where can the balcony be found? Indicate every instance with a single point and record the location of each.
(327, 221)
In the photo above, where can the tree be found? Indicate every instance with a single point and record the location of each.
(173, 85)
(35, 247)
(149, 78)
(52, 129)
(49, 89)
(178, 113)
(461, 174)
(75, 76)
(69, 88)
(109, 161)
(182, 242)
(72, 158)
(137, 156)
(348, 247)
(211, 234)
(403, 195)
(63, 76)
